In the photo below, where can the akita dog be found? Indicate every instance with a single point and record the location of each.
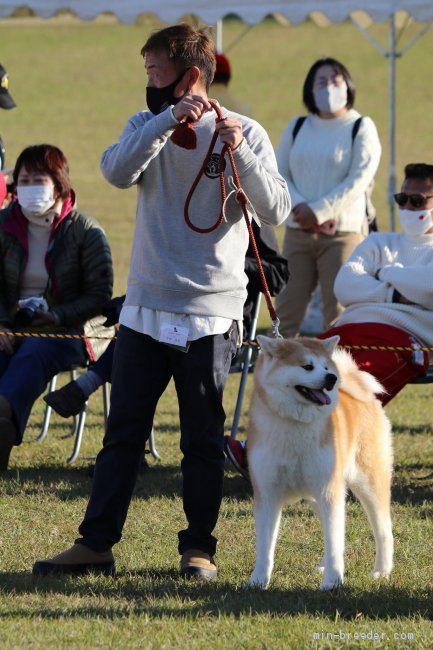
(316, 429)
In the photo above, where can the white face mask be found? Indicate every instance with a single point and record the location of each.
(35, 199)
(415, 222)
(330, 99)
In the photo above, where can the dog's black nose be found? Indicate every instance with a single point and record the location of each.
(330, 380)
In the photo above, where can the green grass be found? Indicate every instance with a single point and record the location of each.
(42, 502)
(75, 85)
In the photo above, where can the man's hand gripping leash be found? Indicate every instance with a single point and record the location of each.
(185, 136)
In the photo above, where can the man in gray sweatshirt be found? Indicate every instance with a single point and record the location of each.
(185, 295)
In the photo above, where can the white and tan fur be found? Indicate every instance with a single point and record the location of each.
(300, 449)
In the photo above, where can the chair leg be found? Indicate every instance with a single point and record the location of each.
(241, 391)
(78, 437)
(245, 367)
(152, 447)
(47, 412)
(106, 400)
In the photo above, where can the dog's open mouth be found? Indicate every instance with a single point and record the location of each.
(315, 395)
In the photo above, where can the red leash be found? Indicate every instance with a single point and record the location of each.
(185, 136)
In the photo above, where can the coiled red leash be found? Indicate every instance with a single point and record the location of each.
(185, 136)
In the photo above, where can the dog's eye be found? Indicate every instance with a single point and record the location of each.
(308, 366)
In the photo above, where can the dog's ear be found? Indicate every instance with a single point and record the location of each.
(267, 344)
(331, 343)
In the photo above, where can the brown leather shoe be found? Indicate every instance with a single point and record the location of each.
(8, 436)
(197, 564)
(76, 560)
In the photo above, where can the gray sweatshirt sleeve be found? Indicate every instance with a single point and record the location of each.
(142, 139)
(258, 173)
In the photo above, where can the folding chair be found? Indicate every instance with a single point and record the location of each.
(245, 365)
(424, 379)
(80, 420)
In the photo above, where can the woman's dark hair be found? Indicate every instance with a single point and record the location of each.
(47, 159)
(339, 68)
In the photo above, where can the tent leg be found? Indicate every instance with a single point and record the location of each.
(392, 54)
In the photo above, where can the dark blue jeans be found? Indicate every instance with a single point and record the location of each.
(25, 375)
(142, 369)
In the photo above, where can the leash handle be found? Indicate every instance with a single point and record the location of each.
(241, 198)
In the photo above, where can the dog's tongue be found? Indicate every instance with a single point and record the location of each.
(321, 396)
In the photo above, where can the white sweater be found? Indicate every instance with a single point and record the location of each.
(400, 262)
(326, 170)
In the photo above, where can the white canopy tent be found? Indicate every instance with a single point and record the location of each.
(250, 11)
(254, 11)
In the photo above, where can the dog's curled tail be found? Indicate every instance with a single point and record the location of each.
(355, 382)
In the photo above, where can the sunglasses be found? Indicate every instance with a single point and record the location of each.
(417, 201)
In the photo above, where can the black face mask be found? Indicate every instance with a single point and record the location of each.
(158, 99)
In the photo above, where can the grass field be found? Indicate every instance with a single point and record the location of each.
(75, 85)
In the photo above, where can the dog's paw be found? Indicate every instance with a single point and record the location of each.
(331, 582)
(376, 574)
(258, 581)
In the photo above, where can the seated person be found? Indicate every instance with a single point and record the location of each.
(70, 399)
(386, 289)
(55, 274)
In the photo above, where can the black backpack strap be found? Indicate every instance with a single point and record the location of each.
(299, 122)
(355, 128)
(2, 154)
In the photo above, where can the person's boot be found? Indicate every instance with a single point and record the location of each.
(8, 432)
(77, 560)
(197, 564)
(67, 401)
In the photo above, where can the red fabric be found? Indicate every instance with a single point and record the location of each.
(392, 368)
(3, 189)
(222, 64)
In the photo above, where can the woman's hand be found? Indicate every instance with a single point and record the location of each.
(42, 318)
(305, 217)
(7, 342)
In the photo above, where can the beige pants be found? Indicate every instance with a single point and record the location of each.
(313, 258)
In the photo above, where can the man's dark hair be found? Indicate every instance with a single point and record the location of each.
(339, 68)
(419, 170)
(185, 46)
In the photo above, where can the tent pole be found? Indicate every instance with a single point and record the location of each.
(219, 36)
(391, 181)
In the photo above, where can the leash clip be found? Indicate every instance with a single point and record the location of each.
(275, 331)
